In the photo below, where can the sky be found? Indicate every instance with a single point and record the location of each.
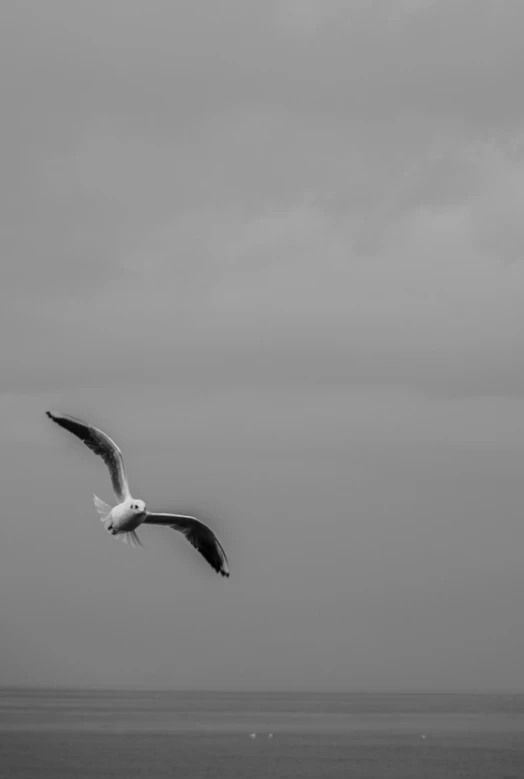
(275, 251)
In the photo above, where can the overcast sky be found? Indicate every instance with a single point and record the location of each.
(274, 250)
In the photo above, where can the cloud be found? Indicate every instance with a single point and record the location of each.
(275, 250)
(174, 65)
(310, 16)
(268, 295)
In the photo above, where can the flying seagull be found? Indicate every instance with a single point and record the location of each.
(123, 519)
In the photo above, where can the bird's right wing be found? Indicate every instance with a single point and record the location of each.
(198, 534)
(100, 444)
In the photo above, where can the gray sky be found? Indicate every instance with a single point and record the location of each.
(274, 250)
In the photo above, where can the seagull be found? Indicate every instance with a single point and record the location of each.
(123, 519)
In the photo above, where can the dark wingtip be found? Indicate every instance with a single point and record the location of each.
(50, 414)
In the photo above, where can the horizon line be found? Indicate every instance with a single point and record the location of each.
(255, 691)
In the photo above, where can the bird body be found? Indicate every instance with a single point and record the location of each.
(123, 519)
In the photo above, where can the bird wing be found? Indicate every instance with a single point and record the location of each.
(198, 534)
(100, 444)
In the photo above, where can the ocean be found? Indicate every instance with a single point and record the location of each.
(191, 735)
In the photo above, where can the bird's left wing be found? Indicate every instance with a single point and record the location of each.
(198, 534)
(100, 444)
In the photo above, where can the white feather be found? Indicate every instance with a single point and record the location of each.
(130, 538)
(102, 508)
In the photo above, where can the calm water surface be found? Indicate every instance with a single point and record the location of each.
(192, 735)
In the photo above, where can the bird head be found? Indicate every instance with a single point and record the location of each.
(138, 506)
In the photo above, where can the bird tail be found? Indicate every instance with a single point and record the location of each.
(132, 538)
(102, 508)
